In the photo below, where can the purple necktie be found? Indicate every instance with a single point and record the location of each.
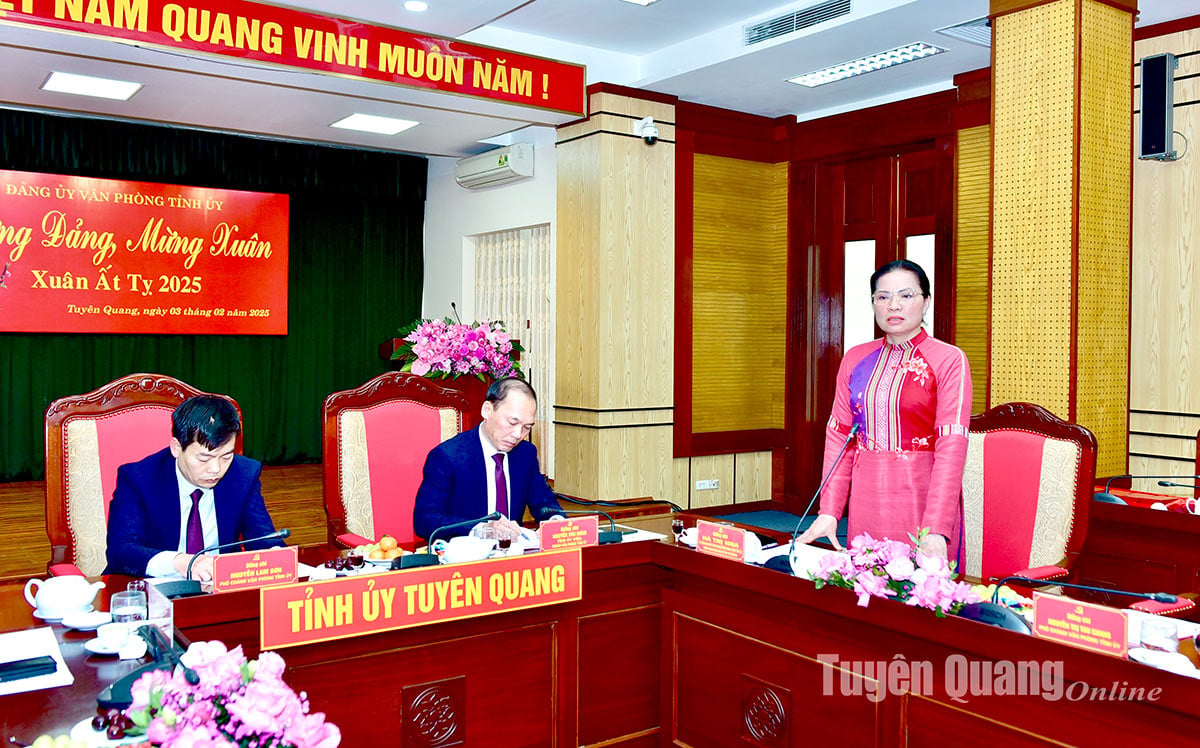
(195, 532)
(501, 486)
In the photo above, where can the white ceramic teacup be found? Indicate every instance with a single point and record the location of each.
(467, 548)
(113, 635)
(1192, 505)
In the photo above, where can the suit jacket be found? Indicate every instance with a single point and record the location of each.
(453, 488)
(144, 516)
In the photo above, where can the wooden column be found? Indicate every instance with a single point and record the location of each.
(616, 223)
(1062, 152)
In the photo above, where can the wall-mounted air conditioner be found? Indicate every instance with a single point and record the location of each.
(499, 166)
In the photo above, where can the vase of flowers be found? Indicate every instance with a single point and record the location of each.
(442, 349)
(219, 698)
(895, 569)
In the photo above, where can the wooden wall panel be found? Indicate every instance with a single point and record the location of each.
(973, 200)
(752, 477)
(739, 292)
(577, 274)
(1165, 306)
(1032, 215)
(1102, 295)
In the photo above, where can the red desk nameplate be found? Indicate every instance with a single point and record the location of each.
(720, 540)
(558, 534)
(1084, 625)
(251, 569)
(310, 612)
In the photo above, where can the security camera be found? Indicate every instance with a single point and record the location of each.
(646, 130)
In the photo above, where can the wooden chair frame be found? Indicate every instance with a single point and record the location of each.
(134, 390)
(392, 385)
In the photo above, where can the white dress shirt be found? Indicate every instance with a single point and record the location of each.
(163, 564)
(489, 466)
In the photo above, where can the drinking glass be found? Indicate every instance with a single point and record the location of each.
(677, 528)
(128, 606)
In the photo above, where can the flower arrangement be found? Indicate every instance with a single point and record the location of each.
(895, 569)
(442, 349)
(234, 702)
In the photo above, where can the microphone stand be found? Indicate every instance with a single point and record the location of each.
(603, 537)
(1107, 497)
(429, 558)
(1158, 597)
(783, 562)
(189, 587)
(995, 614)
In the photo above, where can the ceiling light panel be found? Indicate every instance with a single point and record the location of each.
(87, 85)
(868, 64)
(374, 123)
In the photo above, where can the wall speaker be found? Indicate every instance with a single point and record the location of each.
(1158, 107)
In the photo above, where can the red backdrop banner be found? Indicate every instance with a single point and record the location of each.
(283, 36)
(108, 256)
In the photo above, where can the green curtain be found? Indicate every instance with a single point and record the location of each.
(355, 272)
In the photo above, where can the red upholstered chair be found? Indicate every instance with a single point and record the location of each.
(87, 438)
(1027, 488)
(374, 447)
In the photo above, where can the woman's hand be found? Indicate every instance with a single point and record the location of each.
(933, 545)
(825, 525)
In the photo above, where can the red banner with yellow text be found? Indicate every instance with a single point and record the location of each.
(109, 256)
(309, 612)
(283, 36)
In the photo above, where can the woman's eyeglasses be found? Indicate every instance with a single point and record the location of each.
(905, 295)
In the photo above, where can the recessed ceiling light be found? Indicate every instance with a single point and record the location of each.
(867, 64)
(86, 85)
(642, 2)
(375, 124)
(416, 6)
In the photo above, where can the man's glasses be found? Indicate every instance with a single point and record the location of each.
(905, 295)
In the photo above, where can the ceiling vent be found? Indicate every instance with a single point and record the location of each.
(795, 21)
(978, 32)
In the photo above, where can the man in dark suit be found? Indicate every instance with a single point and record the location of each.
(193, 494)
(489, 468)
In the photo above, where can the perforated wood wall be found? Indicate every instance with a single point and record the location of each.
(1165, 316)
(1060, 215)
(972, 206)
(1102, 289)
(1033, 218)
(739, 291)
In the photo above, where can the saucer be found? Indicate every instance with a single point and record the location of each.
(97, 648)
(53, 618)
(86, 620)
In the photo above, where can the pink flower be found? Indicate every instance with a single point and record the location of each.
(153, 680)
(269, 666)
(900, 568)
(420, 368)
(867, 584)
(312, 731)
(264, 708)
(197, 736)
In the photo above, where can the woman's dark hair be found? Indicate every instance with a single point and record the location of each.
(206, 419)
(908, 265)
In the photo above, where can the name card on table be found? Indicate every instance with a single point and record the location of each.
(252, 569)
(311, 612)
(716, 539)
(576, 532)
(1079, 624)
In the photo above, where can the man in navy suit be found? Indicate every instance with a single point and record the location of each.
(489, 468)
(194, 494)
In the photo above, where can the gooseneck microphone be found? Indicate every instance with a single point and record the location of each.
(783, 561)
(1108, 497)
(603, 537)
(1173, 484)
(414, 560)
(1158, 597)
(190, 587)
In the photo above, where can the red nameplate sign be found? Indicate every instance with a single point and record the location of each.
(1080, 624)
(310, 612)
(569, 533)
(79, 254)
(324, 44)
(250, 569)
(720, 540)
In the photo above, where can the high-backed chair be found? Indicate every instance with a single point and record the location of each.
(376, 438)
(87, 438)
(1027, 488)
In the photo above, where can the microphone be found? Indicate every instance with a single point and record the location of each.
(164, 656)
(414, 560)
(189, 587)
(604, 537)
(1173, 484)
(455, 310)
(1108, 498)
(995, 614)
(783, 562)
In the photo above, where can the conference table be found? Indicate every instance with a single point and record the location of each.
(668, 646)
